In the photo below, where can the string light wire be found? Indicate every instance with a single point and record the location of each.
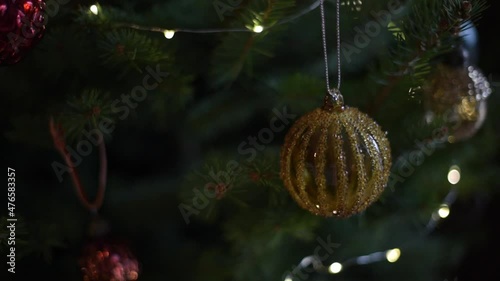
(390, 255)
(312, 7)
(303, 12)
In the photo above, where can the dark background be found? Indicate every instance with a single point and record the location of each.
(481, 262)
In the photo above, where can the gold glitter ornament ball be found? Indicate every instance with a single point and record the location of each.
(335, 161)
(457, 95)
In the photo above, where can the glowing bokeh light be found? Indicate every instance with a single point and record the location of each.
(454, 175)
(258, 29)
(94, 9)
(444, 211)
(169, 34)
(335, 268)
(393, 255)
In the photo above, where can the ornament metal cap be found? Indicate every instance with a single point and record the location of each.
(334, 101)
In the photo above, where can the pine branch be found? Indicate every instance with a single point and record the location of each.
(84, 112)
(429, 30)
(300, 92)
(239, 50)
(126, 49)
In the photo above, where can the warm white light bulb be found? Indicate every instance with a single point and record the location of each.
(454, 175)
(94, 9)
(444, 211)
(393, 255)
(169, 34)
(335, 268)
(288, 279)
(258, 28)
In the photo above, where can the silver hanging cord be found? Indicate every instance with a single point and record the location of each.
(339, 77)
(325, 49)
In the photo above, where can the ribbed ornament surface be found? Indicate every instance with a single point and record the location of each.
(335, 161)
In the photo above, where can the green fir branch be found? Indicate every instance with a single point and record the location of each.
(125, 49)
(300, 92)
(238, 51)
(205, 192)
(85, 113)
(208, 118)
(429, 30)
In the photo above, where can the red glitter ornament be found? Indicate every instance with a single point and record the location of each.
(103, 260)
(22, 25)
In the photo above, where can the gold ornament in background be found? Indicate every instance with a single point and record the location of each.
(335, 161)
(457, 95)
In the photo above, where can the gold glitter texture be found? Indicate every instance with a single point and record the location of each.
(459, 96)
(335, 161)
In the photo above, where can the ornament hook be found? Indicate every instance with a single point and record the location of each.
(334, 100)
